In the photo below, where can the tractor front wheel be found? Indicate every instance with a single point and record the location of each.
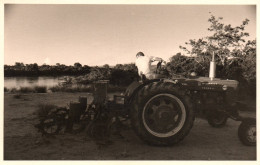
(217, 119)
(247, 132)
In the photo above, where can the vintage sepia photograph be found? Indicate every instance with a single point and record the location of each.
(168, 82)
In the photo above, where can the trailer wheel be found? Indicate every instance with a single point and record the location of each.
(217, 119)
(53, 123)
(162, 114)
(247, 132)
(50, 126)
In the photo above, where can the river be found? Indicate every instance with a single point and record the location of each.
(17, 82)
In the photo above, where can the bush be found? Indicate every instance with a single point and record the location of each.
(26, 90)
(40, 89)
(123, 77)
(5, 89)
(17, 96)
(82, 88)
(13, 90)
(55, 88)
(183, 66)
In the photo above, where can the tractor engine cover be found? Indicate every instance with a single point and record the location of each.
(229, 87)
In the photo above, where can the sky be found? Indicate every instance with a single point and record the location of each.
(108, 34)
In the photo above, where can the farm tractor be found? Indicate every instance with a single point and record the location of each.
(161, 110)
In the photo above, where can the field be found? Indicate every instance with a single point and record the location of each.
(23, 142)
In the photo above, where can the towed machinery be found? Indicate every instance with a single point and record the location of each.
(161, 110)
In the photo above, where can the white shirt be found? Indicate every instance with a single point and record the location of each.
(143, 64)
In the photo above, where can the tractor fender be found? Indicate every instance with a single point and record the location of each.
(133, 89)
(135, 86)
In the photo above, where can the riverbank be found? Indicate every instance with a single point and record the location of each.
(61, 88)
(23, 142)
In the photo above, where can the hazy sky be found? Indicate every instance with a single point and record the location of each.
(108, 34)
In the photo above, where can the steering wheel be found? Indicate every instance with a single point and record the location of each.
(159, 65)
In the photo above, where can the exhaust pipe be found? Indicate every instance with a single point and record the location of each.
(212, 69)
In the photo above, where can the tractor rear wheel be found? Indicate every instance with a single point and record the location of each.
(162, 114)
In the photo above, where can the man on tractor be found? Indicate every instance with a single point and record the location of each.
(144, 63)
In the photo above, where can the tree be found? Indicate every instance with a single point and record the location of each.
(235, 57)
(106, 66)
(77, 65)
(19, 65)
(118, 66)
(248, 64)
(184, 65)
(225, 41)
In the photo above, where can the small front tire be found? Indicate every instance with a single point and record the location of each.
(217, 119)
(247, 132)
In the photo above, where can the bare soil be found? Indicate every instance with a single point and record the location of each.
(23, 142)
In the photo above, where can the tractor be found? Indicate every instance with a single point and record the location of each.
(162, 110)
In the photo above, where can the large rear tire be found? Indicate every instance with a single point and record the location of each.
(162, 114)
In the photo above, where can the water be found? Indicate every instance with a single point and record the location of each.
(17, 82)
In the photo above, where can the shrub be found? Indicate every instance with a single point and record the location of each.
(26, 90)
(40, 89)
(55, 88)
(17, 96)
(5, 89)
(82, 88)
(13, 90)
(123, 77)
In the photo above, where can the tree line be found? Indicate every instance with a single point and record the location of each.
(21, 69)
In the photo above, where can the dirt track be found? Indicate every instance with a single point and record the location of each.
(23, 142)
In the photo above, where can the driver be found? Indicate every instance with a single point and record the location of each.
(143, 64)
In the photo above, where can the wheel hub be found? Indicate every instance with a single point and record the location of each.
(164, 112)
(252, 134)
(164, 115)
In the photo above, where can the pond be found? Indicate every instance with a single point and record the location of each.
(17, 82)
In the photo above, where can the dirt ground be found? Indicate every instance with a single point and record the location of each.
(23, 142)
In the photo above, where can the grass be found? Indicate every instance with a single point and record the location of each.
(60, 88)
(88, 88)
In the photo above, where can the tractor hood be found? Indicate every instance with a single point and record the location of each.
(205, 83)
